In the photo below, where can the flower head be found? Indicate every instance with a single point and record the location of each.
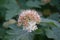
(28, 16)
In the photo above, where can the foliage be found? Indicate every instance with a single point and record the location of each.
(48, 29)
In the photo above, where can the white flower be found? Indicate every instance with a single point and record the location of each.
(29, 19)
(31, 27)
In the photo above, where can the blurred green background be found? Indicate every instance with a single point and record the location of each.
(49, 28)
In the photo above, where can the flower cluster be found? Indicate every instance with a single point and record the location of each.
(29, 19)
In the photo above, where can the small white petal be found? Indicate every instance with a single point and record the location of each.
(31, 27)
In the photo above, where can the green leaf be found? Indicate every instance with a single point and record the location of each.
(50, 34)
(12, 9)
(38, 31)
(2, 33)
(57, 33)
(18, 34)
(3, 2)
(56, 3)
(52, 23)
(54, 16)
(49, 20)
(34, 3)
